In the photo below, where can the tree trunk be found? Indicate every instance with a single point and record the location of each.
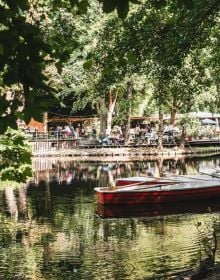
(45, 122)
(183, 137)
(173, 114)
(102, 124)
(109, 123)
(111, 108)
(102, 114)
(160, 130)
(128, 125)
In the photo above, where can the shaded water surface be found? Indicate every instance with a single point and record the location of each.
(52, 229)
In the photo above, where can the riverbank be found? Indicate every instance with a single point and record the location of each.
(125, 153)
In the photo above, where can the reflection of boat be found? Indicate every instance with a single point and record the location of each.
(142, 210)
(156, 194)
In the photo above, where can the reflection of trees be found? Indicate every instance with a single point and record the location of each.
(11, 202)
(163, 240)
(159, 172)
(54, 236)
(107, 173)
(208, 248)
(22, 202)
(70, 242)
(16, 202)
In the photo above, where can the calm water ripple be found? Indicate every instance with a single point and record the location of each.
(51, 229)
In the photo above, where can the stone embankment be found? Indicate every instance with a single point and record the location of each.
(126, 153)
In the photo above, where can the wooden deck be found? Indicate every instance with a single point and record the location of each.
(42, 144)
(203, 143)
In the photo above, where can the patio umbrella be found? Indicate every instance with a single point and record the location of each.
(208, 121)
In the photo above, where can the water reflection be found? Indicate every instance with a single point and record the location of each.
(49, 229)
(105, 174)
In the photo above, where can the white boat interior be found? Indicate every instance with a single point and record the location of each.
(160, 187)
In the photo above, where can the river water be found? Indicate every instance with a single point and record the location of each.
(54, 229)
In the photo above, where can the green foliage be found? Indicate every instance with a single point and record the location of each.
(191, 124)
(121, 6)
(171, 45)
(159, 39)
(15, 157)
(24, 87)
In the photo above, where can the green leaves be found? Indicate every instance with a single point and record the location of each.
(15, 157)
(83, 6)
(88, 64)
(187, 3)
(122, 7)
(23, 54)
(132, 59)
(18, 175)
(109, 5)
(158, 4)
(36, 104)
(16, 5)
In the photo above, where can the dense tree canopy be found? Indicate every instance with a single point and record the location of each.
(155, 40)
(164, 54)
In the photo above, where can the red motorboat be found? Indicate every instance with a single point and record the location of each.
(159, 193)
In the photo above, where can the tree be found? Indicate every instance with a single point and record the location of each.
(164, 48)
(100, 69)
(24, 53)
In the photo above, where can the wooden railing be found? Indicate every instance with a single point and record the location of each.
(43, 142)
(36, 136)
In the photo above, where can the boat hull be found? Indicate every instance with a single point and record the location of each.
(156, 196)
